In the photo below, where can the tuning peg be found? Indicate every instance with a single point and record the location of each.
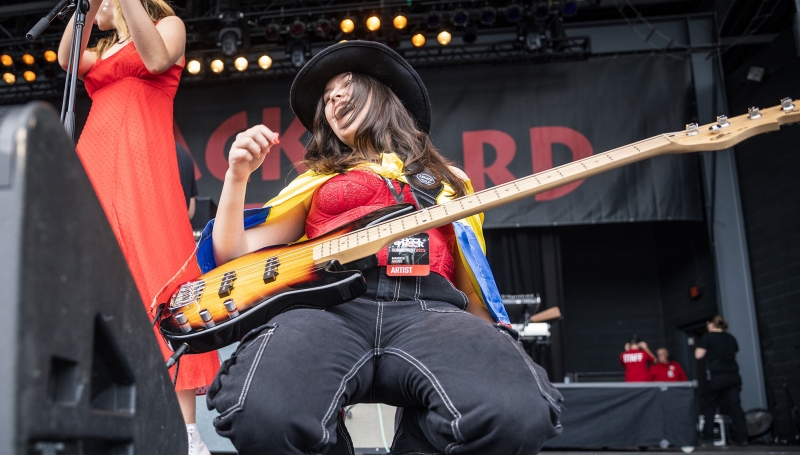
(722, 122)
(691, 129)
(753, 113)
(787, 105)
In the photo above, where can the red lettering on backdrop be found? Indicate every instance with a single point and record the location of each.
(215, 148)
(498, 172)
(181, 140)
(542, 140)
(291, 144)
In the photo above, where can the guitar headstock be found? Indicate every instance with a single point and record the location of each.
(727, 132)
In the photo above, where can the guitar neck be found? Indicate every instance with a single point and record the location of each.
(364, 242)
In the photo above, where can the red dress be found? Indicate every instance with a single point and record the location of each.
(128, 150)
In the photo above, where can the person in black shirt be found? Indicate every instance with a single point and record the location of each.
(188, 182)
(723, 383)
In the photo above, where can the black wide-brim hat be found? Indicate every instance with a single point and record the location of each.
(365, 57)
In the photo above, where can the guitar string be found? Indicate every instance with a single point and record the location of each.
(255, 268)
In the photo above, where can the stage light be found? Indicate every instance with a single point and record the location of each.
(229, 40)
(50, 56)
(29, 76)
(393, 39)
(470, 36)
(217, 66)
(513, 13)
(296, 50)
(240, 64)
(347, 25)
(444, 37)
(488, 15)
(273, 31)
(400, 22)
(569, 8)
(193, 66)
(264, 62)
(373, 23)
(460, 17)
(6, 60)
(9, 78)
(28, 59)
(418, 40)
(323, 28)
(531, 37)
(434, 19)
(541, 11)
(297, 29)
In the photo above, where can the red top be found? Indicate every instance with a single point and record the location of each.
(348, 197)
(667, 372)
(128, 150)
(635, 362)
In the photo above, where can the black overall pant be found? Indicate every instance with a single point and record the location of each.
(465, 386)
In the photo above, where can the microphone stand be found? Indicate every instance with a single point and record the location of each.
(61, 10)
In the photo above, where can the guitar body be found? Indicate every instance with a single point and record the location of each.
(223, 305)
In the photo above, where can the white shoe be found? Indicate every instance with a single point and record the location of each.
(196, 445)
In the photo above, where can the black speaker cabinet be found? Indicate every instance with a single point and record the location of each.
(80, 371)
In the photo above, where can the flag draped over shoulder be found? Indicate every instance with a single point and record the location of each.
(469, 234)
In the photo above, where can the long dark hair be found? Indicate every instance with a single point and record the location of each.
(388, 127)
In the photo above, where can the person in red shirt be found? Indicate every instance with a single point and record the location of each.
(635, 360)
(666, 370)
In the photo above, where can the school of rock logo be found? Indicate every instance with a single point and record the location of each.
(409, 242)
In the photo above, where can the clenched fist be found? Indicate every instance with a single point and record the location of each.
(249, 150)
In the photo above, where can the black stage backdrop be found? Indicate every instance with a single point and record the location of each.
(498, 123)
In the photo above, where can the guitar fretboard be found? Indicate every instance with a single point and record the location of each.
(366, 241)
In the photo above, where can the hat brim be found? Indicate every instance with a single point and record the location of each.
(365, 57)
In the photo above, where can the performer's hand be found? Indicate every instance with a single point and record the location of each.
(249, 150)
(643, 345)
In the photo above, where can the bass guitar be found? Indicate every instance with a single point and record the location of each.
(221, 306)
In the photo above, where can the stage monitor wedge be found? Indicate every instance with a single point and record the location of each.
(81, 372)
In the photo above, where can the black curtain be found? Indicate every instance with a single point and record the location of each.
(528, 261)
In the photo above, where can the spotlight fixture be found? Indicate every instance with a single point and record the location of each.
(347, 25)
(541, 11)
(217, 66)
(297, 29)
(6, 60)
(29, 76)
(193, 66)
(400, 22)
(229, 40)
(323, 28)
(50, 56)
(460, 17)
(513, 13)
(373, 23)
(569, 8)
(273, 31)
(444, 37)
(28, 59)
(434, 19)
(488, 15)
(418, 40)
(9, 78)
(470, 36)
(296, 50)
(393, 39)
(264, 62)
(532, 37)
(240, 64)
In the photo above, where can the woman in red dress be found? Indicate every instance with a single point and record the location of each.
(128, 150)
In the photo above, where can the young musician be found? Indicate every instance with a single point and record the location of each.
(428, 344)
(128, 150)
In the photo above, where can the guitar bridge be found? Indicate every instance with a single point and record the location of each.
(271, 269)
(188, 294)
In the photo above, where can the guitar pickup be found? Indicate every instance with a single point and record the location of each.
(271, 269)
(226, 286)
